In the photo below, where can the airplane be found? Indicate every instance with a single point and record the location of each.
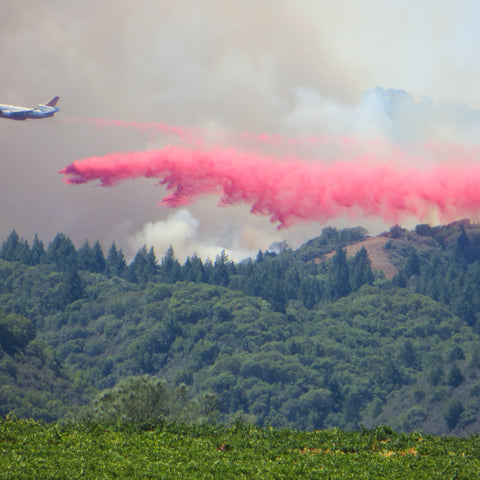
(21, 113)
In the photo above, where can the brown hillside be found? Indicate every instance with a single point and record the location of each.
(377, 254)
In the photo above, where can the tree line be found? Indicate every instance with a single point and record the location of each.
(275, 278)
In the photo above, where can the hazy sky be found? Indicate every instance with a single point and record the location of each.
(278, 67)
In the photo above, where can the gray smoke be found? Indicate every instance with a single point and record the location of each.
(295, 69)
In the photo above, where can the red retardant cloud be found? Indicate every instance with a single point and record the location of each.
(290, 190)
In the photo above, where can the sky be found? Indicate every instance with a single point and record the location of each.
(396, 80)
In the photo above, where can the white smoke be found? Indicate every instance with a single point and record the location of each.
(180, 230)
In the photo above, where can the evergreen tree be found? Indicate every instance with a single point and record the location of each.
(91, 258)
(208, 270)
(23, 253)
(455, 376)
(151, 267)
(144, 266)
(260, 257)
(462, 249)
(37, 251)
(98, 258)
(220, 269)
(137, 269)
(339, 275)
(256, 282)
(399, 280)
(62, 253)
(291, 282)
(412, 266)
(452, 414)
(115, 264)
(75, 288)
(462, 307)
(9, 247)
(307, 291)
(193, 270)
(187, 271)
(276, 296)
(85, 257)
(361, 270)
(475, 247)
(170, 269)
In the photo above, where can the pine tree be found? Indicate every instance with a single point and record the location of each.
(170, 269)
(37, 251)
(463, 249)
(291, 283)
(260, 257)
(62, 253)
(151, 267)
(75, 288)
(361, 270)
(138, 266)
(192, 270)
(452, 414)
(412, 266)
(220, 269)
(115, 264)
(9, 247)
(455, 376)
(98, 258)
(339, 275)
(23, 253)
(84, 256)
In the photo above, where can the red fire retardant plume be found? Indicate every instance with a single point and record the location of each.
(290, 190)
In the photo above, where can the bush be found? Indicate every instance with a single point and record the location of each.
(144, 399)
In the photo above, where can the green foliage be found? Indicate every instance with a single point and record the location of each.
(15, 332)
(455, 377)
(301, 339)
(339, 275)
(91, 258)
(176, 450)
(115, 264)
(144, 266)
(141, 400)
(61, 252)
(33, 383)
(361, 270)
(453, 410)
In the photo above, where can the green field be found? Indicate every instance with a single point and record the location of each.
(172, 451)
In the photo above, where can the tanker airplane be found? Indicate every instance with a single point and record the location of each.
(22, 113)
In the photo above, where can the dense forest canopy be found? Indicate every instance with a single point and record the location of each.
(306, 338)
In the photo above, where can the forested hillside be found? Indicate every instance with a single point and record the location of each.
(307, 338)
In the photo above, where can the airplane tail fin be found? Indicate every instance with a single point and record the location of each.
(53, 102)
